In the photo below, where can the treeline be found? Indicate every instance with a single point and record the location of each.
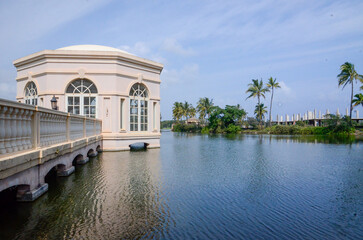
(233, 119)
(211, 118)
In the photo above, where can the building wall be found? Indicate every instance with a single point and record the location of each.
(113, 78)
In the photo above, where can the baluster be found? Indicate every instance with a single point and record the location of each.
(51, 129)
(28, 127)
(20, 130)
(8, 130)
(42, 130)
(24, 130)
(48, 130)
(2, 129)
(59, 129)
(14, 131)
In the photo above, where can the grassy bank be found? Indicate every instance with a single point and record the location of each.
(278, 130)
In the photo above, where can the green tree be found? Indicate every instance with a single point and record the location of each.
(358, 100)
(260, 111)
(347, 76)
(272, 84)
(177, 111)
(204, 108)
(185, 110)
(256, 89)
(215, 118)
(232, 114)
(222, 118)
(192, 111)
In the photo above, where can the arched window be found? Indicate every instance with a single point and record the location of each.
(81, 96)
(138, 108)
(31, 94)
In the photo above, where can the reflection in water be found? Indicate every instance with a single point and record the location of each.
(204, 187)
(115, 196)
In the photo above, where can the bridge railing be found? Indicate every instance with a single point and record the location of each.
(26, 127)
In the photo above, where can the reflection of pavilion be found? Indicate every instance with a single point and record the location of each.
(97, 81)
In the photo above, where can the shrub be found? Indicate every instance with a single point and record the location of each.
(205, 130)
(300, 123)
(233, 128)
(191, 128)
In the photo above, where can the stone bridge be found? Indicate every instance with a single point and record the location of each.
(35, 140)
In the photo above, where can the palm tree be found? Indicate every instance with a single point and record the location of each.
(347, 76)
(260, 111)
(177, 111)
(186, 109)
(204, 107)
(256, 89)
(192, 111)
(358, 100)
(272, 84)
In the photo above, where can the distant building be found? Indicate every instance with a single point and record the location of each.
(194, 121)
(117, 87)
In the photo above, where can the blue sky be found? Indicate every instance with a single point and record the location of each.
(208, 48)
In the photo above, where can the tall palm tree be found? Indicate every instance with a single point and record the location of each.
(347, 76)
(186, 109)
(358, 100)
(260, 111)
(256, 89)
(177, 111)
(272, 84)
(192, 111)
(204, 108)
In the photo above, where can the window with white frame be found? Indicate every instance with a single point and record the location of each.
(31, 94)
(81, 98)
(138, 107)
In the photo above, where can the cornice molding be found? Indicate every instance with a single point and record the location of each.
(47, 55)
(76, 73)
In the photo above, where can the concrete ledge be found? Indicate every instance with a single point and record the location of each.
(131, 136)
(15, 159)
(83, 161)
(34, 194)
(92, 139)
(79, 144)
(18, 168)
(55, 151)
(67, 172)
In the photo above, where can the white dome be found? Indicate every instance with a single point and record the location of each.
(92, 48)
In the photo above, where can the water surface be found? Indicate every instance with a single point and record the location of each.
(204, 187)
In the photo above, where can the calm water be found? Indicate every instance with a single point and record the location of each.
(204, 187)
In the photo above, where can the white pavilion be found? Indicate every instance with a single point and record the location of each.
(119, 88)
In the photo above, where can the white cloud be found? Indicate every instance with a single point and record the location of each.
(187, 73)
(285, 89)
(173, 46)
(139, 49)
(28, 20)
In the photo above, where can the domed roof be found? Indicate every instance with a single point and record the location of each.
(92, 48)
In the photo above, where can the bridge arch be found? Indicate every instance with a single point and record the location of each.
(139, 146)
(12, 193)
(91, 153)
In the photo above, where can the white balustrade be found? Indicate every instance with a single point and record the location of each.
(25, 127)
(76, 128)
(90, 128)
(53, 128)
